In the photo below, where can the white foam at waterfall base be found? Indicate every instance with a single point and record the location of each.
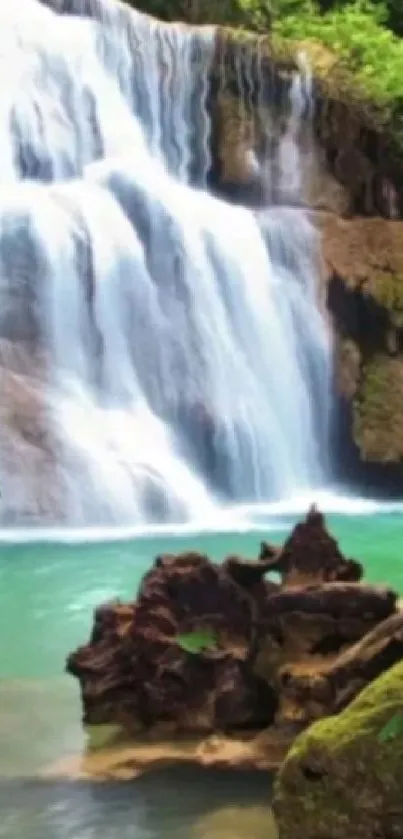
(187, 364)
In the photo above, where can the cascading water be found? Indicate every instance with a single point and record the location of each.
(160, 349)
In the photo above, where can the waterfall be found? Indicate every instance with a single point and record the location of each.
(161, 351)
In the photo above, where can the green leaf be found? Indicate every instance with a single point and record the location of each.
(392, 729)
(196, 642)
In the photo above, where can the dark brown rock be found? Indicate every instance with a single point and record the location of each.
(337, 600)
(310, 555)
(309, 694)
(161, 682)
(282, 654)
(249, 573)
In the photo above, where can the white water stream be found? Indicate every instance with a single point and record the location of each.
(178, 357)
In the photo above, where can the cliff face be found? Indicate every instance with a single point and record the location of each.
(351, 154)
(352, 173)
(364, 274)
(353, 180)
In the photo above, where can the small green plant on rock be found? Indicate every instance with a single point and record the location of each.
(392, 729)
(198, 641)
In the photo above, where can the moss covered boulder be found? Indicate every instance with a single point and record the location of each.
(343, 778)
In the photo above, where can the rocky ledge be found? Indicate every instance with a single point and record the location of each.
(220, 656)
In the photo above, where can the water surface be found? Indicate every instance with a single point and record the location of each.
(47, 595)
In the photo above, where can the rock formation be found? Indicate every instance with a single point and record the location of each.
(363, 261)
(352, 162)
(352, 180)
(276, 656)
(343, 777)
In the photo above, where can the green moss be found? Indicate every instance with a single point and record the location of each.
(270, 46)
(363, 720)
(387, 290)
(339, 780)
(378, 410)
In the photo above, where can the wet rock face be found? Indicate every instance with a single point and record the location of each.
(279, 654)
(359, 152)
(27, 446)
(351, 176)
(363, 260)
(351, 157)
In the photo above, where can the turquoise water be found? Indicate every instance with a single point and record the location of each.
(53, 589)
(47, 596)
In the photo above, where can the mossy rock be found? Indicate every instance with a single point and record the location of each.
(342, 779)
(387, 291)
(348, 367)
(378, 410)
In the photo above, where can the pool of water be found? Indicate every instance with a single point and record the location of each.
(165, 805)
(47, 595)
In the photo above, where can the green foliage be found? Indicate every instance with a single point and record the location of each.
(390, 12)
(258, 14)
(363, 34)
(392, 729)
(363, 45)
(198, 641)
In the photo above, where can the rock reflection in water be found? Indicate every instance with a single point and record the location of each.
(252, 822)
(164, 805)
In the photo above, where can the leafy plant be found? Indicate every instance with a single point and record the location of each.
(198, 641)
(356, 34)
(392, 729)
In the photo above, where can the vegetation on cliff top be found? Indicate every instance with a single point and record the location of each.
(367, 50)
(363, 35)
(258, 14)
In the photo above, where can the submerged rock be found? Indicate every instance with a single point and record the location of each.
(237, 821)
(343, 777)
(212, 648)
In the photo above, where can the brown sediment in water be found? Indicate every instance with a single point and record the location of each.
(130, 759)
